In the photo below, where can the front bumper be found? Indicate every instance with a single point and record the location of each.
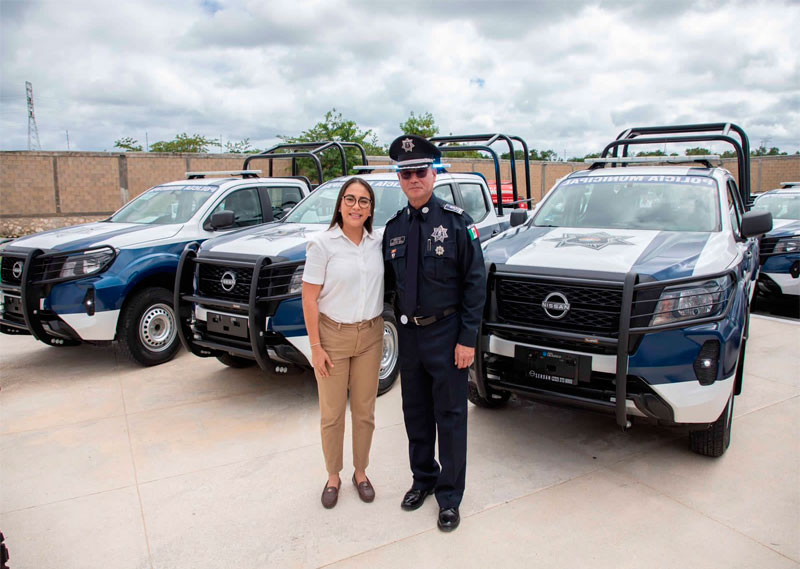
(264, 323)
(37, 301)
(641, 371)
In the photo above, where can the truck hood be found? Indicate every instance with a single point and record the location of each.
(784, 228)
(660, 254)
(277, 239)
(94, 234)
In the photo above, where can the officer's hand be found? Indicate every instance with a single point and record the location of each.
(320, 360)
(464, 356)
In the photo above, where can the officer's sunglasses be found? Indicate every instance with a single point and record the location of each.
(350, 200)
(420, 172)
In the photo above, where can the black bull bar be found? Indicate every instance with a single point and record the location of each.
(634, 309)
(268, 287)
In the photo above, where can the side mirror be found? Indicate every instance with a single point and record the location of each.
(756, 223)
(518, 217)
(222, 219)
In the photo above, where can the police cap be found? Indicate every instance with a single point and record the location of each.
(411, 152)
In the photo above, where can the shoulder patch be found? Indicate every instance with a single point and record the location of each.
(398, 212)
(453, 208)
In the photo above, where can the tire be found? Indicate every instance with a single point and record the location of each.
(496, 399)
(235, 361)
(148, 329)
(714, 440)
(390, 360)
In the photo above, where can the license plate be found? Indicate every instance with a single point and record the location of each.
(550, 365)
(227, 324)
(13, 304)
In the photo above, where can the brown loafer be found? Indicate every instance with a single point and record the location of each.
(330, 495)
(365, 490)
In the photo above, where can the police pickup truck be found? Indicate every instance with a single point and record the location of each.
(629, 290)
(113, 279)
(238, 296)
(780, 248)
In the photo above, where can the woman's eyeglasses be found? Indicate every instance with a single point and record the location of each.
(350, 200)
(420, 172)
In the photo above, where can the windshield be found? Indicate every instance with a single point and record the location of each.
(786, 206)
(664, 203)
(318, 207)
(164, 204)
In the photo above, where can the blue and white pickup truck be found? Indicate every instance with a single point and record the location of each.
(238, 296)
(780, 248)
(113, 279)
(629, 290)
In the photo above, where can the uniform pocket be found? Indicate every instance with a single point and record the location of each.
(439, 261)
(396, 256)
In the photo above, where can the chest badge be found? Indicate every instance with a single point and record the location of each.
(439, 250)
(439, 233)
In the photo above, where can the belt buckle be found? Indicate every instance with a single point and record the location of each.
(416, 320)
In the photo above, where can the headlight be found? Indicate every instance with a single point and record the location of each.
(296, 284)
(86, 263)
(696, 300)
(788, 245)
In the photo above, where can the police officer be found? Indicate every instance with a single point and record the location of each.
(434, 264)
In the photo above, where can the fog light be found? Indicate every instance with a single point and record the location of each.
(705, 366)
(88, 301)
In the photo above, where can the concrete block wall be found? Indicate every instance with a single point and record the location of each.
(42, 190)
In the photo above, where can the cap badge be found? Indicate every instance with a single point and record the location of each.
(439, 233)
(408, 144)
(439, 250)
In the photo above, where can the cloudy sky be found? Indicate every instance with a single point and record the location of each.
(565, 75)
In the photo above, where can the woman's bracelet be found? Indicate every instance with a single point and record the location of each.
(317, 344)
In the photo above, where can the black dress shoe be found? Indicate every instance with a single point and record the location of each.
(414, 499)
(448, 519)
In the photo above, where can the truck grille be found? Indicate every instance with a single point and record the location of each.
(7, 270)
(593, 309)
(210, 282)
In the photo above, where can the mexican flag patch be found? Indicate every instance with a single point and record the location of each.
(472, 231)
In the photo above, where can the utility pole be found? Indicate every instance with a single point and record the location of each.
(33, 130)
(67, 131)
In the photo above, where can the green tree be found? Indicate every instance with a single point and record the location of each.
(335, 128)
(652, 153)
(586, 157)
(762, 151)
(241, 147)
(128, 144)
(545, 155)
(184, 143)
(697, 151)
(423, 125)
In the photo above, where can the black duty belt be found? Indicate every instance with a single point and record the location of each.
(428, 320)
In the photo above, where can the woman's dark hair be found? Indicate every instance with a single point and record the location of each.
(337, 214)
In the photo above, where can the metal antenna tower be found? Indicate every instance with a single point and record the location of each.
(33, 130)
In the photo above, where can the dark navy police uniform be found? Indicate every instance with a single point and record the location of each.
(450, 291)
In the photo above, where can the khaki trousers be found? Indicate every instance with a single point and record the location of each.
(356, 351)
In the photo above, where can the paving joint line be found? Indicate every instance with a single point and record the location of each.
(703, 514)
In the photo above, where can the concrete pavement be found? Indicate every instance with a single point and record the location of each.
(194, 465)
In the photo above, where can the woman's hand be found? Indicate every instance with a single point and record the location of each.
(320, 360)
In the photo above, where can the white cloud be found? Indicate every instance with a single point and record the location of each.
(566, 76)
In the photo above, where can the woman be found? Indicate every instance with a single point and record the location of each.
(342, 306)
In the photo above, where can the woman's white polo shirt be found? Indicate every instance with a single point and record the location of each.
(351, 275)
